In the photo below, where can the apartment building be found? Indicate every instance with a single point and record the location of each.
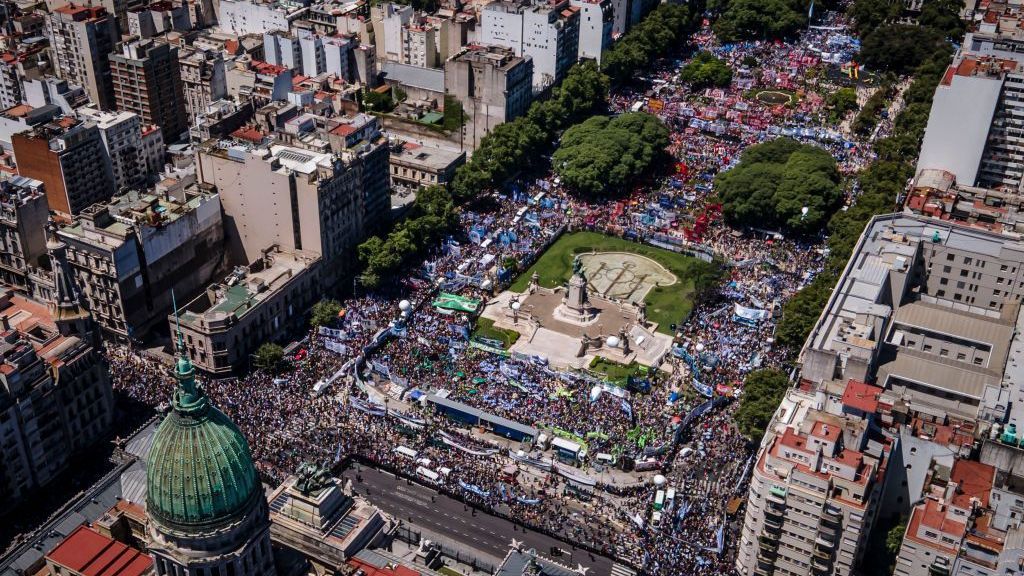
(493, 85)
(158, 18)
(241, 17)
(23, 217)
(301, 200)
(955, 505)
(55, 398)
(419, 46)
(147, 81)
(388, 20)
(15, 66)
(81, 40)
(415, 166)
(815, 490)
(203, 79)
(122, 137)
(548, 33)
(68, 156)
(129, 255)
(255, 304)
(597, 19)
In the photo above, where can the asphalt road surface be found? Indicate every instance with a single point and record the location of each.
(452, 519)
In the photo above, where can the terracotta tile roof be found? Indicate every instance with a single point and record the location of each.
(974, 480)
(861, 396)
(88, 552)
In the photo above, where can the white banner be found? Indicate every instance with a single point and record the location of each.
(752, 314)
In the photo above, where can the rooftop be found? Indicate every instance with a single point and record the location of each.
(245, 288)
(88, 552)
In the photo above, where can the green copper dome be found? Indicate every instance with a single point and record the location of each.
(200, 472)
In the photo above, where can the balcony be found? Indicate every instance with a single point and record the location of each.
(819, 564)
(774, 513)
(772, 526)
(824, 543)
(823, 555)
(768, 540)
(761, 571)
(767, 556)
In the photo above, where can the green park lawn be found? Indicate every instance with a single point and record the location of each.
(665, 304)
(485, 328)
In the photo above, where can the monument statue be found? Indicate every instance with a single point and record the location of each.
(577, 267)
(312, 478)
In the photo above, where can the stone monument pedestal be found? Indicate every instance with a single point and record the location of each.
(575, 307)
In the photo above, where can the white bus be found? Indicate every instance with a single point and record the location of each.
(427, 474)
(659, 500)
(407, 452)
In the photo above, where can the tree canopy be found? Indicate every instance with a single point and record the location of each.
(705, 70)
(665, 28)
(431, 217)
(763, 390)
(760, 19)
(324, 313)
(268, 356)
(602, 155)
(512, 145)
(900, 48)
(775, 180)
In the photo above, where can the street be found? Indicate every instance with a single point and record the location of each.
(451, 518)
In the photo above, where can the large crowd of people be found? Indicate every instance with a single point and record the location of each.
(426, 350)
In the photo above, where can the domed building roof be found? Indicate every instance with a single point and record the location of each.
(200, 473)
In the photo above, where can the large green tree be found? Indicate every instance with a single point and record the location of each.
(867, 15)
(268, 356)
(763, 390)
(602, 155)
(899, 48)
(761, 19)
(705, 70)
(324, 313)
(776, 181)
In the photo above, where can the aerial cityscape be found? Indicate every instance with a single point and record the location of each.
(511, 287)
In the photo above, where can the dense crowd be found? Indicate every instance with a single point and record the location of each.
(426, 350)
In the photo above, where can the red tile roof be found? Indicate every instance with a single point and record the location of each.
(343, 130)
(973, 480)
(248, 133)
(90, 553)
(861, 396)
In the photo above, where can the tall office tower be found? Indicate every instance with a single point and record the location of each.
(147, 81)
(81, 39)
(69, 157)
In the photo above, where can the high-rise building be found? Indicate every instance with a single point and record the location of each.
(147, 81)
(419, 45)
(69, 158)
(324, 203)
(81, 40)
(547, 33)
(207, 510)
(493, 86)
(815, 490)
(597, 19)
(43, 424)
(122, 137)
(129, 255)
(23, 217)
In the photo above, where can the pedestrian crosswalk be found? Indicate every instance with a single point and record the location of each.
(620, 570)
